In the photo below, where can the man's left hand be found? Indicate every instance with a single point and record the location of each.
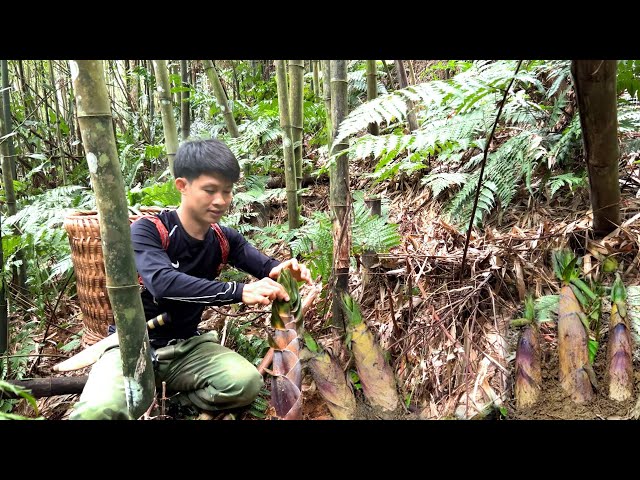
(298, 271)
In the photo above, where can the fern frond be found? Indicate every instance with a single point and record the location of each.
(569, 179)
(565, 143)
(438, 182)
(629, 117)
(517, 156)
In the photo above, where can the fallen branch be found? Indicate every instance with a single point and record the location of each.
(48, 387)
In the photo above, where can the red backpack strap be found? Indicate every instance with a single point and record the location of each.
(164, 236)
(224, 246)
(162, 230)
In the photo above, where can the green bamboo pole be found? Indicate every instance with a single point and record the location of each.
(163, 90)
(339, 192)
(316, 78)
(221, 97)
(372, 91)
(9, 170)
(94, 116)
(185, 111)
(287, 145)
(52, 79)
(149, 88)
(402, 78)
(4, 312)
(326, 94)
(296, 110)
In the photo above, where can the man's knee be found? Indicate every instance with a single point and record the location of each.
(249, 382)
(110, 410)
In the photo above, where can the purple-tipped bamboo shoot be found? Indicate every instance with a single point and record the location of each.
(528, 371)
(331, 381)
(576, 374)
(376, 377)
(286, 317)
(620, 374)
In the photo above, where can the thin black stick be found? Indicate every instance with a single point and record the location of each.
(484, 162)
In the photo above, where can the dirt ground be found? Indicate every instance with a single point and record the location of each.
(554, 403)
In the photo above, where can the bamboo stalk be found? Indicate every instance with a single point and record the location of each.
(287, 146)
(94, 116)
(163, 90)
(339, 192)
(221, 97)
(296, 112)
(372, 92)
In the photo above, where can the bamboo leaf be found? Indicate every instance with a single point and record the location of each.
(593, 349)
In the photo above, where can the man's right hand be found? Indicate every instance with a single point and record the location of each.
(263, 292)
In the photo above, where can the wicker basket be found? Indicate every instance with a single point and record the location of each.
(83, 229)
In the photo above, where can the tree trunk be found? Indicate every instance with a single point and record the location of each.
(52, 79)
(287, 146)
(48, 387)
(166, 109)
(402, 78)
(339, 192)
(595, 82)
(326, 93)
(185, 111)
(94, 117)
(296, 110)
(9, 169)
(372, 91)
(221, 97)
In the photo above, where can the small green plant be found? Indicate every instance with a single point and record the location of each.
(21, 392)
(314, 240)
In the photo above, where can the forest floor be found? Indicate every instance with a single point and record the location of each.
(448, 335)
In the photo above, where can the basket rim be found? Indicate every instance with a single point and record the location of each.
(94, 213)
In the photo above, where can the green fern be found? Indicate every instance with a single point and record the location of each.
(569, 179)
(465, 92)
(250, 346)
(628, 116)
(260, 404)
(314, 240)
(438, 182)
(562, 146)
(517, 157)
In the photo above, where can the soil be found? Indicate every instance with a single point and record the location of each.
(554, 403)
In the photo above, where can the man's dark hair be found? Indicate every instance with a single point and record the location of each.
(210, 156)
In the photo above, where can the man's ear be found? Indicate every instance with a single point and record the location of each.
(181, 184)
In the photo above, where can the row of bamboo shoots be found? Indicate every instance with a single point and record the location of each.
(578, 310)
(375, 375)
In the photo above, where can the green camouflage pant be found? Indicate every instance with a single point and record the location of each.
(206, 374)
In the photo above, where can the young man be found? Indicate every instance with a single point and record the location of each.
(179, 280)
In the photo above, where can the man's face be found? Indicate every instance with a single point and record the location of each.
(207, 198)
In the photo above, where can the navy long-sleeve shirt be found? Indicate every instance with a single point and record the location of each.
(181, 280)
